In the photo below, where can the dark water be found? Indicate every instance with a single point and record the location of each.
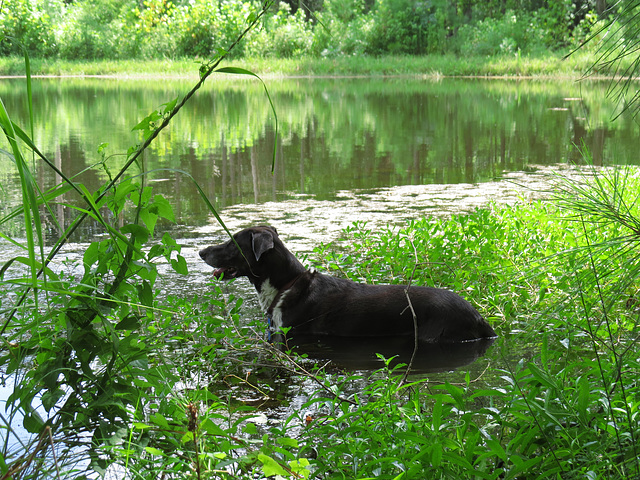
(335, 135)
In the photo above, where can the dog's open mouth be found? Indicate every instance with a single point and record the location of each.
(226, 273)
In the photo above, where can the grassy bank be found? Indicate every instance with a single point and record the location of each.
(549, 65)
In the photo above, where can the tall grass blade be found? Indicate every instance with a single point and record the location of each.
(242, 71)
(29, 200)
(619, 42)
(27, 68)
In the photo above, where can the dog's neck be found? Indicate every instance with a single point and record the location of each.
(269, 295)
(280, 294)
(280, 270)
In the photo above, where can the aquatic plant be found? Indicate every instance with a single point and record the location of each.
(561, 276)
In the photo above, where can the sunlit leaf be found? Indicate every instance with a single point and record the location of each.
(270, 467)
(154, 451)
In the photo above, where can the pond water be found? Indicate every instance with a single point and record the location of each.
(349, 149)
(381, 150)
(336, 136)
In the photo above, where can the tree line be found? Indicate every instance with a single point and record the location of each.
(145, 29)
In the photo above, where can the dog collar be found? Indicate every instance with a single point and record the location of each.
(270, 328)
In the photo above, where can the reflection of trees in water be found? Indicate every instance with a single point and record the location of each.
(334, 135)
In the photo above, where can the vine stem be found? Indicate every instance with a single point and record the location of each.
(414, 316)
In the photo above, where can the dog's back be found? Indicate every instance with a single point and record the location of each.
(319, 304)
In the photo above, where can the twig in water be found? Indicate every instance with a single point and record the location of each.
(415, 318)
(299, 369)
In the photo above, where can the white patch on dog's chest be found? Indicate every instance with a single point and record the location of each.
(266, 296)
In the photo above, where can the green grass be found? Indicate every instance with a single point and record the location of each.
(548, 65)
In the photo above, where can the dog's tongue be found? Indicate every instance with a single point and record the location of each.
(217, 273)
(228, 272)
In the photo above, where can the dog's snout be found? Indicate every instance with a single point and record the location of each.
(203, 253)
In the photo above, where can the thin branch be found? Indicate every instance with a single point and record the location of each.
(414, 316)
(299, 369)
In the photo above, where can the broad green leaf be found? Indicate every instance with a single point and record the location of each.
(159, 420)
(165, 210)
(130, 322)
(154, 451)
(270, 467)
(287, 442)
(496, 448)
(148, 121)
(140, 233)
(180, 265)
(169, 105)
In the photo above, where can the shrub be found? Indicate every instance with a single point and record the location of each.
(30, 23)
(196, 24)
(342, 28)
(92, 29)
(405, 26)
(153, 34)
(506, 35)
(203, 26)
(562, 276)
(556, 21)
(283, 35)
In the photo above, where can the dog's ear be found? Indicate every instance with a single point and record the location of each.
(261, 242)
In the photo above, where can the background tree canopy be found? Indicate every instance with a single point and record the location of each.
(125, 29)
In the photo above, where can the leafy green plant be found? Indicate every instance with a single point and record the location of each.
(503, 36)
(471, 253)
(85, 339)
(160, 29)
(402, 26)
(554, 273)
(283, 35)
(92, 29)
(29, 24)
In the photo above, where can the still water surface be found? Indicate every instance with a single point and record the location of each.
(335, 135)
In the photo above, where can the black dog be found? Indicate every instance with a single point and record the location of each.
(314, 304)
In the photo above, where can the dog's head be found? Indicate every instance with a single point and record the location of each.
(242, 255)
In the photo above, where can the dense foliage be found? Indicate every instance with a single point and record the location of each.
(181, 386)
(563, 275)
(95, 29)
